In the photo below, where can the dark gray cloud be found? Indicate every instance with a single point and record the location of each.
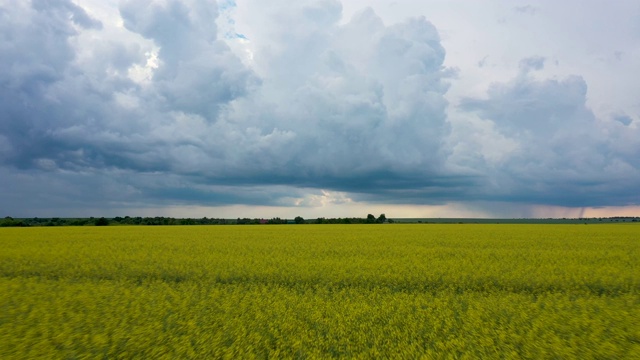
(526, 9)
(623, 119)
(560, 153)
(346, 114)
(527, 106)
(356, 106)
(197, 73)
(532, 63)
(35, 61)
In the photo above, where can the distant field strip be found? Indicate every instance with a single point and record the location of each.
(321, 291)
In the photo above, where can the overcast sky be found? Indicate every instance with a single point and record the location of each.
(259, 108)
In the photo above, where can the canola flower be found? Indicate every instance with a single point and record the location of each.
(326, 291)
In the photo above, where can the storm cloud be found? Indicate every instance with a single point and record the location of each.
(166, 109)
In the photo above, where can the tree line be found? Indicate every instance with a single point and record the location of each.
(159, 220)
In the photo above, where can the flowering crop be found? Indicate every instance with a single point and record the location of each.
(326, 291)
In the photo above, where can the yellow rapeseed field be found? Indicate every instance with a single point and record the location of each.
(321, 291)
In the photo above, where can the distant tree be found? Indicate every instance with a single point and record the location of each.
(77, 222)
(187, 222)
(101, 222)
(11, 222)
(371, 219)
(299, 220)
(381, 219)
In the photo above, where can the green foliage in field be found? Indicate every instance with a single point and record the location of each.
(331, 291)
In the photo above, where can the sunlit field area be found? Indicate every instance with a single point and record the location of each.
(321, 291)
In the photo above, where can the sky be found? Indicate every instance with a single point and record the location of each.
(319, 108)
